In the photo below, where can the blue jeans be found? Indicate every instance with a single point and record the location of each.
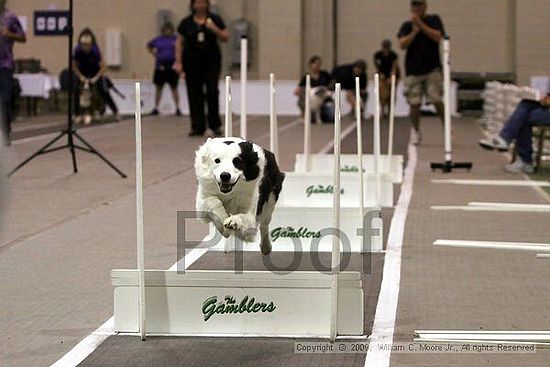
(519, 127)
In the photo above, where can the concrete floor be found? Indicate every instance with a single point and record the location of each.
(61, 234)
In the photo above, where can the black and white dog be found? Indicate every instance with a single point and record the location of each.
(239, 184)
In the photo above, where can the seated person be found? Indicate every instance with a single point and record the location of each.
(345, 75)
(89, 68)
(519, 128)
(319, 78)
(387, 64)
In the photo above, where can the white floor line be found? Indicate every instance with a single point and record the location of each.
(495, 207)
(386, 309)
(90, 343)
(526, 246)
(543, 256)
(344, 134)
(530, 183)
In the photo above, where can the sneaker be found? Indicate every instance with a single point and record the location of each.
(495, 142)
(178, 112)
(214, 133)
(416, 137)
(87, 119)
(520, 166)
(154, 112)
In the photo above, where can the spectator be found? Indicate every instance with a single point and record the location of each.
(386, 62)
(420, 36)
(89, 68)
(198, 58)
(163, 48)
(345, 75)
(319, 78)
(519, 128)
(11, 31)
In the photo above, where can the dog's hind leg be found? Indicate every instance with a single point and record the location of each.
(265, 219)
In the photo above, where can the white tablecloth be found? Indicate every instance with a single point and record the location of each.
(37, 85)
(258, 98)
(541, 83)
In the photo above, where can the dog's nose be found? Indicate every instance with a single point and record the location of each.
(225, 176)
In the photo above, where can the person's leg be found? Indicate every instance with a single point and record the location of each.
(517, 120)
(385, 95)
(158, 81)
(413, 93)
(173, 80)
(158, 94)
(434, 92)
(524, 139)
(350, 98)
(195, 94)
(6, 96)
(212, 96)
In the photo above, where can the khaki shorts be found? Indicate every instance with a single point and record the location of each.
(430, 85)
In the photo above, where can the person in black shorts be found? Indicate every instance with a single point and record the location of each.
(386, 62)
(163, 48)
(319, 78)
(198, 58)
(345, 75)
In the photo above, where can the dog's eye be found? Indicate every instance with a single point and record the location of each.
(217, 161)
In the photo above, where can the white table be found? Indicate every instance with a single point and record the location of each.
(37, 85)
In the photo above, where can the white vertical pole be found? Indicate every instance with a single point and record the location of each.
(376, 138)
(447, 98)
(392, 118)
(336, 219)
(358, 120)
(139, 215)
(307, 125)
(273, 136)
(244, 79)
(228, 111)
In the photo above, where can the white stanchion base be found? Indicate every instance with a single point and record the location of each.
(262, 303)
(315, 190)
(349, 163)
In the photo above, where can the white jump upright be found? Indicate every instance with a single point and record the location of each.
(359, 121)
(391, 124)
(376, 139)
(228, 111)
(273, 136)
(448, 165)
(244, 80)
(139, 216)
(307, 124)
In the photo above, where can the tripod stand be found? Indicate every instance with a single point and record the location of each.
(70, 131)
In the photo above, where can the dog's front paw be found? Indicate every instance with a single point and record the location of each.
(234, 222)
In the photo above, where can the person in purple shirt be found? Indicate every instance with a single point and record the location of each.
(11, 31)
(163, 48)
(89, 68)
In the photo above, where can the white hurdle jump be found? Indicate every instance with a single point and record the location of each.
(223, 304)
(391, 165)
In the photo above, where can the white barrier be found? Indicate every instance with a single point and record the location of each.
(223, 303)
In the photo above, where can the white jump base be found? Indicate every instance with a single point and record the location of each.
(349, 163)
(291, 224)
(292, 305)
(315, 190)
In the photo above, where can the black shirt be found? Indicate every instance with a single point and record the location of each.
(384, 63)
(323, 81)
(423, 53)
(200, 45)
(344, 75)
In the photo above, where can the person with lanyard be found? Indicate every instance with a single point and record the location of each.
(89, 67)
(163, 48)
(11, 31)
(198, 59)
(387, 64)
(421, 36)
(319, 78)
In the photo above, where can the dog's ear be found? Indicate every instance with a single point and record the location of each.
(202, 156)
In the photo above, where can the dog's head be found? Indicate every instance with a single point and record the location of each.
(228, 161)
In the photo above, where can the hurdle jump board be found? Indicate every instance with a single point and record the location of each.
(295, 229)
(315, 189)
(349, 163)
(222, 303)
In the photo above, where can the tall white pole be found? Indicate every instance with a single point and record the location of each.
(447, 98)
(376, 138)
(391, 123)
(273, 136)
(336, 217)
(139, 215)
(244, 80)
(228, 111)
(307, 124)
(358, 119)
